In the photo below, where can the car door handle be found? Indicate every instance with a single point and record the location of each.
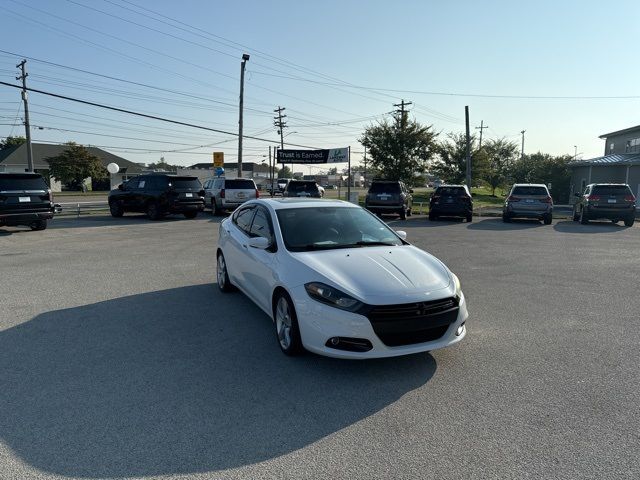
(244, 245)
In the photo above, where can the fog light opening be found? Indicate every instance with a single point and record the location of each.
(460, 330)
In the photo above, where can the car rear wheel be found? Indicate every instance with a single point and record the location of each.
(469, 218)
(628, 222)
(214, 207)
(153, 211)
(191, 214)
(409, 212)
(547, 219)
(584, 219)
(116, 209)
(222, 275)
(432, 217)
(576, 216)
(39, 225)
(506, 218)
(286, 323)
(403, 213)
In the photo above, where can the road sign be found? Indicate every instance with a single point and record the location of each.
(333, 155)
(218, 159)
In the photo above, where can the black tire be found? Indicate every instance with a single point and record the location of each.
(153, 211)
(628, 222)
(39, 225)
(584, 219)
(403, 213)
(410, 212)
(116, 209)
(469, 218)
(287, 330)
(576, 217)
(432, 217)
(222, 275)
(192, 214)
(506, 218)
(547, 219)
(214, 207)
(614, 221)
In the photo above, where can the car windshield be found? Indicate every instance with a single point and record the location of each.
(323, 228)
(384, 187)
(529, 191)
(298, 187)
(22, 182)
(611, 190)
(185, 183)
(454, 191)
(240, 184)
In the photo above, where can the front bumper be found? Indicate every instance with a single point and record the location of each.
(318, 323)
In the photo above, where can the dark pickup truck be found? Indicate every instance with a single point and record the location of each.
(25, 199)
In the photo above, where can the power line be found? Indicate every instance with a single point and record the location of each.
(154, 117)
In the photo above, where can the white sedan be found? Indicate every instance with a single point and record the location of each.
(338, 281)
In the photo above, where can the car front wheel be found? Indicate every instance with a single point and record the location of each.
(403, 214)
(584, 219)
(547, 219)
(153, 211)
(39, 225)
(286, 323)
(193, 214)
(222, 275)
(628, 222)
(116, 209)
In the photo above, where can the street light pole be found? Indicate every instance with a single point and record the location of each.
(245, 57)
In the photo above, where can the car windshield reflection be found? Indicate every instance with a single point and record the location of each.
(327, 228)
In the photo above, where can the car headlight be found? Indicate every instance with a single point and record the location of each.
(456, 282)
(332, 296)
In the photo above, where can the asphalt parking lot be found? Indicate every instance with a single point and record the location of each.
(120, 358)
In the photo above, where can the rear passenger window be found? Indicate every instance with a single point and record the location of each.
(611, 190)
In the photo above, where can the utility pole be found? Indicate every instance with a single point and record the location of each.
(401, 111)
(522, 150)
(27, 127)
(481, 128)
(468, 153)
(281, 124)
(245, 57)
(365, 167)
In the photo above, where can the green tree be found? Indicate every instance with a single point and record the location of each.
(75, 164)
(544, 168)
(10, 142)
(162, 165)
(285, 172)
(451, 162)
(501, 155)
(400, 149)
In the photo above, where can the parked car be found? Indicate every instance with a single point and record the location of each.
(451, 201)
(282, 183)
(302, 188)
(613, 201)
(222, 194)
(25, 199)
(389, 196)
(528, 200)
(157, 195)
(308, 266)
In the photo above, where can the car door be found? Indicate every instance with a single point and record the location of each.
(259, 271)
(237, 248)
(127, 196)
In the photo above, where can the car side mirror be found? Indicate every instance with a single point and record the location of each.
(259, 242)
(121, 187)
(402, 234)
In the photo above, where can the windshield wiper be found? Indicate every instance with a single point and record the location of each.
(374, 243)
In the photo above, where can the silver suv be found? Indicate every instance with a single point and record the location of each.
(222, 194)
(528, 200)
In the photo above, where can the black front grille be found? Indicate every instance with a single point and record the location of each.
(410, 323)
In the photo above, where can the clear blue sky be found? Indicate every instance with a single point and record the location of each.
(309, 57)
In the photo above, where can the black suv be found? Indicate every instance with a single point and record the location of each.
(25, 199)
(302, 188)
(389, 196)
(613, 201)
(451, 201)
(158, 195)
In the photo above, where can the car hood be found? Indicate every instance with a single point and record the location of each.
(377, 274)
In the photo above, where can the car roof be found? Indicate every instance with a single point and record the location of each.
(621, 184)
(451, 185)
(20, 174)
(284, 203)
(529, 185)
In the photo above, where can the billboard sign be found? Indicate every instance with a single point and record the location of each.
(332, 155)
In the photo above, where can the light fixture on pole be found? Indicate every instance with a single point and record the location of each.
(245, 57)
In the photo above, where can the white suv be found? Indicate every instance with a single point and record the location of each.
(228, 193)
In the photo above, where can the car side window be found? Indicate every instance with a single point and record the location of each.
(261, 226)
(132, 184)
(218, 183)
(587, 191)
(243, 218)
